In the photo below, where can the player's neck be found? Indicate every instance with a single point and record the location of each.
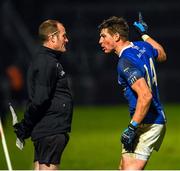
(121, 45)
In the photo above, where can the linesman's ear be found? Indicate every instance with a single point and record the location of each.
(52, 38)
(116, 37)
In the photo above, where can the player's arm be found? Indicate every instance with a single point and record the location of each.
(161, 53)
(144, 97)
(142, 28)
(134, 76)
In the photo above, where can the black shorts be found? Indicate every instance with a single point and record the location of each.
(48, 150)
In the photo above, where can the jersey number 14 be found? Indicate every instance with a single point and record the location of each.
(151, 76)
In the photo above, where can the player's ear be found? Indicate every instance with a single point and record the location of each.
(116, 37)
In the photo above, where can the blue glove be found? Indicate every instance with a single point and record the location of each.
(128, 137)
(141, 26)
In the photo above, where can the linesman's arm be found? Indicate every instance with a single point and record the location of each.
(45, 80)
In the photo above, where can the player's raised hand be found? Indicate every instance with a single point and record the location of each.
(140, 25)
(128, 136)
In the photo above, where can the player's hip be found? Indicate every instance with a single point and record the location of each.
(149, 137)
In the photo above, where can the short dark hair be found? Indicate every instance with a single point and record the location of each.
(116, 25)
(46, 28)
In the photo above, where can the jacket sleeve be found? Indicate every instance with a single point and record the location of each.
(44, 83)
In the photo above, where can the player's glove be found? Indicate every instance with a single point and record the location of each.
(128, 136)
(141, 26)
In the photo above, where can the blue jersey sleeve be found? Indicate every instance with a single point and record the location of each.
(129, 71)
(152, 49)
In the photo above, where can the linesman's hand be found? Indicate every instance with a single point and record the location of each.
(20, 131)
(128, 137)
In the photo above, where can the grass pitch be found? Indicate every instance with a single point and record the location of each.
(95, 141)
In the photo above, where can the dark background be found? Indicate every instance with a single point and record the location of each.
(93, 75)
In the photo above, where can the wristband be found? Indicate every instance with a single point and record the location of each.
(145, 37)
(134, 123)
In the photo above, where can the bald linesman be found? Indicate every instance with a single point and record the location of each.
(49, 110)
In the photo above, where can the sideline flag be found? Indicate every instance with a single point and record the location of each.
(19, 143)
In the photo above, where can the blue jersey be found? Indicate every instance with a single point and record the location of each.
(138, 61)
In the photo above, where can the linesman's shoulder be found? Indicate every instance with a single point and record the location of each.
(43, 60)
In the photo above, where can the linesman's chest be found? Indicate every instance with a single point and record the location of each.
(61, 76)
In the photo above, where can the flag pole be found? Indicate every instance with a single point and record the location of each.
(8, 161)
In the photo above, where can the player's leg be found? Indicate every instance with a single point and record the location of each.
(128, 162)
(149, 137)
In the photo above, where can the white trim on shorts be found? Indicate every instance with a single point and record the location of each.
(149, 138)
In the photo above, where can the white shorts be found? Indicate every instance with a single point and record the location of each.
(149, 138)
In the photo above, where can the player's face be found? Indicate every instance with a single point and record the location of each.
(107, 41)
(61, 39)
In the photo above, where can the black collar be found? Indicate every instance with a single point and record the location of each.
(54, 53)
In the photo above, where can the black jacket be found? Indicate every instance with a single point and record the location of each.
(49, 109)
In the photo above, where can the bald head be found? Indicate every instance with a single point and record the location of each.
(48, 28)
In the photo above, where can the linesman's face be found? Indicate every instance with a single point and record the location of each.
(61, 39)
(107, 41)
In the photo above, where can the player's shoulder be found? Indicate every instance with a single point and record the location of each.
(128, 56)
(147, 47)
(141, 44)
(132, 50)
(126, 62)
